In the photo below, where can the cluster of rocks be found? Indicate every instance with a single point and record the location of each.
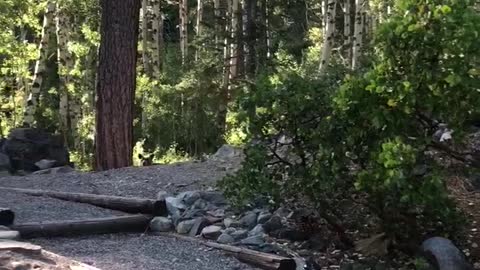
(28, 150)
(207, 214)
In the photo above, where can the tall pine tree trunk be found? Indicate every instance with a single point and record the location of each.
(329, 35)
(235, 46)
(116, 83)
(183, 14)
(33, 97)
(262, 39)
(358, 32)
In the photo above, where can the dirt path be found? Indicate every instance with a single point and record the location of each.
(121, 251)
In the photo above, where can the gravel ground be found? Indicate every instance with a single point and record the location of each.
(121, 251)
(134, 251)
(134, 181)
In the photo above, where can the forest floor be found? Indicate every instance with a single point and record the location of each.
(121, 251)
(138, 251)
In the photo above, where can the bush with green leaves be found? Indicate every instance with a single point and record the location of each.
(374, 132)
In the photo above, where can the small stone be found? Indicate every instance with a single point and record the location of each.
(225, 238)
(263, 217)
(161, 224)
(200, 204)
(240, 234)
(229, 230)
(198, 226)
(249, 220)
(45, 164)
(9, 235)
(282, 212)
(230, 222)
(256, 240)
(189, 197)
(162, 195)
(258, 230)
(214, 197)
(185, 226)
(211, 232)
(273, 224)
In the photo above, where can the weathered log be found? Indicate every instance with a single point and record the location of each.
(124, 204)
(6, 217)
(130, 223)
(258, 259)
(74, 265)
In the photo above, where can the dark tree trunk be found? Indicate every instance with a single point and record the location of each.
(116, 83)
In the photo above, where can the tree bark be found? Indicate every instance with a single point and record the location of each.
(31, 103)
(329, 35)
(347, 35)
(129, 223)
(116, 83)
(199, 26)
(147, 67)
(250, 38)
(183, 9)
(358, 32)
(157, 44)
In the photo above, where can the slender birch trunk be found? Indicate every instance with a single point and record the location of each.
(250, 35)
(358, 32)
(329, 36)
(227, 53)
(218, 26)
(324, 16)
(157, 45)
(234, 46)
(33, 97)
(183, 9)
(147, 67)
(199, 25)
(347, 33)
(63, 58)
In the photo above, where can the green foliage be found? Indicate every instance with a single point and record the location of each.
(373, 131)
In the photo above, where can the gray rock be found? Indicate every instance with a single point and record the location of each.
(256, 240)
(161, 224)
(9, 235)
(45, 163)
(4, 228)
(273, 224)
(282, 212)
(240, 234)
(220, 213)
(193, 213)
(200, 204)
(229, 222)
(162, 195)
(189, 197)
(258, 230)
(5, 163)
(175, 207)
(226, 152)
(229, 230)
(249, 220)
(185, 226)
(211, 232)
(198, 226)
(444, 255)
(214, 197)
(263, 217)
(225, 238)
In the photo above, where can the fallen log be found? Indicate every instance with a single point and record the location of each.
(6, 217)
(130, 223)
(124, 204)
(258, 259)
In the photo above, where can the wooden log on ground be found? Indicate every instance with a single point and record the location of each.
(259, 259)
(6, 217)
(124, 204)
(130, 223)
(73, 264)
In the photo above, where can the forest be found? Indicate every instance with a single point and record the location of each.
(366, 111)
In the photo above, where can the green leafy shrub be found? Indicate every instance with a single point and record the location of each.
(374, 131)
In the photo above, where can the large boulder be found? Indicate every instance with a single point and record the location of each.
(5, 165)
(444, 255)
(27, 146)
